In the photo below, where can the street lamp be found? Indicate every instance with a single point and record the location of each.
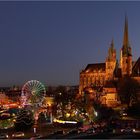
(96, 113)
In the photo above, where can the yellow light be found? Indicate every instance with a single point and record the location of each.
(14, 120)
(60, 121)
(67, 115)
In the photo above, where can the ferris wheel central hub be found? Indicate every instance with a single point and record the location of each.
(33, 92)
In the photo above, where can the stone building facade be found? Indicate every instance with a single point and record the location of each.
(99, 74)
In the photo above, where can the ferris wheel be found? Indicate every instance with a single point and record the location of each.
(33, 93)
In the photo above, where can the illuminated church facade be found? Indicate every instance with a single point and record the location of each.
(100, 74)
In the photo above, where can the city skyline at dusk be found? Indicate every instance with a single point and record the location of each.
(53, 41)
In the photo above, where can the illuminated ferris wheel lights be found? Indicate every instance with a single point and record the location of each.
(33, 92)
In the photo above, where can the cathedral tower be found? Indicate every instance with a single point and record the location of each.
(126, 55)
(110, 62)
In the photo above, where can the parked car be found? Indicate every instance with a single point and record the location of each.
(127, 130)
(4, 136)
(36, 136)
(90, 131)
(136, 130)
(18, 134)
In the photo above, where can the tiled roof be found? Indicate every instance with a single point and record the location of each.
(95, 66)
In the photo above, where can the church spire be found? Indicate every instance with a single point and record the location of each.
(126, 50)
(111, 52)
(112, 44)
(125, 38)
(126, 55)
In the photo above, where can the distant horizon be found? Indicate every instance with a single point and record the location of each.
(20, 86)
(53, 41)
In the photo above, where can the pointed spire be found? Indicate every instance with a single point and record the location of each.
(126, 49)
(111, 51)
(125, 39)
(112, 44)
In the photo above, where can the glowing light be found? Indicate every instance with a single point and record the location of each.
(60, 121)
(96, 114)
(33, 93)
(67, 115)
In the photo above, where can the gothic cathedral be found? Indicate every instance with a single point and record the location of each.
(99, 74)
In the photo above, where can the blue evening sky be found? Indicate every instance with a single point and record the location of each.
(52, 41)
